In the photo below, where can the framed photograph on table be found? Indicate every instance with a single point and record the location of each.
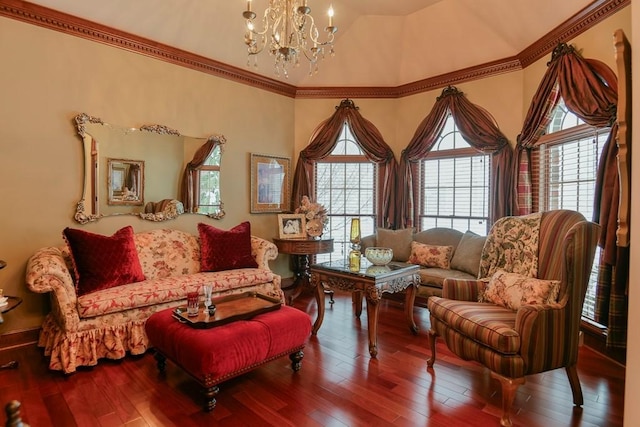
(292, 226)
(270, 188)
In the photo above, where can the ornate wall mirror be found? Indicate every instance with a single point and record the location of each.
(152, 172)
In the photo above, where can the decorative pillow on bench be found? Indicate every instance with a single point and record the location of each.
(430, 255)
(398, 240)
(512, 290)
(102, 262)
(467, 255)
(225, 250)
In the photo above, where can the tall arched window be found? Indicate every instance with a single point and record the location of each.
(564, 171)
(345, 184)
(454, 185)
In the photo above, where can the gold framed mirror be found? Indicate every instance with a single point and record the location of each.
(147, 172)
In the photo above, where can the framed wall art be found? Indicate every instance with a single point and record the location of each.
(125, 182)
(270, 188)
(292, 226)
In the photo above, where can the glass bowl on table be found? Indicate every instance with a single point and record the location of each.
(378, 255)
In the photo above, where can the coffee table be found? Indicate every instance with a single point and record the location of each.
(246, 332)
(371, 280)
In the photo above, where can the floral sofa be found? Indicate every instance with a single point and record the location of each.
(441, 253)
(108, 323)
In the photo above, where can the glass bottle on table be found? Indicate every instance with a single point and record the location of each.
(354, 254)
(209, 308)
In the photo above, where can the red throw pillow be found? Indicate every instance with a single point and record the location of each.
(102, 262)
(225, 250)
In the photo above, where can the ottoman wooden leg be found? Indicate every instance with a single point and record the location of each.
(296, 360)
(161, 361)
(210, 398)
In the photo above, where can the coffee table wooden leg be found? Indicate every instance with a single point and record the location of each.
(356, 298)
(317, 283)
(161, 361)
(296, 360)
(408, 308)
(373, 307)
(210, 398)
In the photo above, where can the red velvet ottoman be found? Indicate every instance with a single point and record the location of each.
(214, 355)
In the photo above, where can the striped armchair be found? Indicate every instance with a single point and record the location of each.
(556, 246)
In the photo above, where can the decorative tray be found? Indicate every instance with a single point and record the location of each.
(229, 309)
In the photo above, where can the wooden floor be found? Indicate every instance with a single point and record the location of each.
(338, 385)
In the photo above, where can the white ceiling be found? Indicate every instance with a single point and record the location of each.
(379, 42)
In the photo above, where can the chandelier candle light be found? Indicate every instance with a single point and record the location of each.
(288, 32)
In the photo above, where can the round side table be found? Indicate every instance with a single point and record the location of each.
(12, 302)
(301, 250)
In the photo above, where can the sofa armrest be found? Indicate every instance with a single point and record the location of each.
(462, 289)
(47, 272)
(535, 324)
(263, 251)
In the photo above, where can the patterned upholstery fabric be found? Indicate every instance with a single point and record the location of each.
(109, 323)
(430, 255)
(512, 290)
(512, 245)
(167, 289)
(489, 324)
(578, 238)
(536, 337)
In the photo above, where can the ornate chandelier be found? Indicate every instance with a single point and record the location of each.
(288, 32)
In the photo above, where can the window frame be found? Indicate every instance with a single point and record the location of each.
(449, 153)
(582, 131)
(197, 182)
(341, 243)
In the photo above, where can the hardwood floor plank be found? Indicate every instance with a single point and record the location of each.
(339, 385)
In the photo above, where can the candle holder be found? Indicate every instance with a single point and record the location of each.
(355, 254)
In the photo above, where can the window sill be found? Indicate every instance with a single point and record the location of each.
(595, 337)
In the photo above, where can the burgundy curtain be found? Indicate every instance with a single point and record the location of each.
(190, 175)
(368, 138)
(589, 90)
(479, 129)
(132, 181)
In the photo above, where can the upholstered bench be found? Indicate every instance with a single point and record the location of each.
(217, 354)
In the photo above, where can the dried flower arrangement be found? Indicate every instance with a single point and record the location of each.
(314, 213)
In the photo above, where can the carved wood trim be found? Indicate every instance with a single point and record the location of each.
(58, 21)
(623, 62)
(572, 27)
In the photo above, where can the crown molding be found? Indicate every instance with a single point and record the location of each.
(72, 25)
(572, 27)
(68, 24)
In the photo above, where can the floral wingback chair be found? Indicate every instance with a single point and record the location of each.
(522, 316)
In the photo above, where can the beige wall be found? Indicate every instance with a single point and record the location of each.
(47, 78)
